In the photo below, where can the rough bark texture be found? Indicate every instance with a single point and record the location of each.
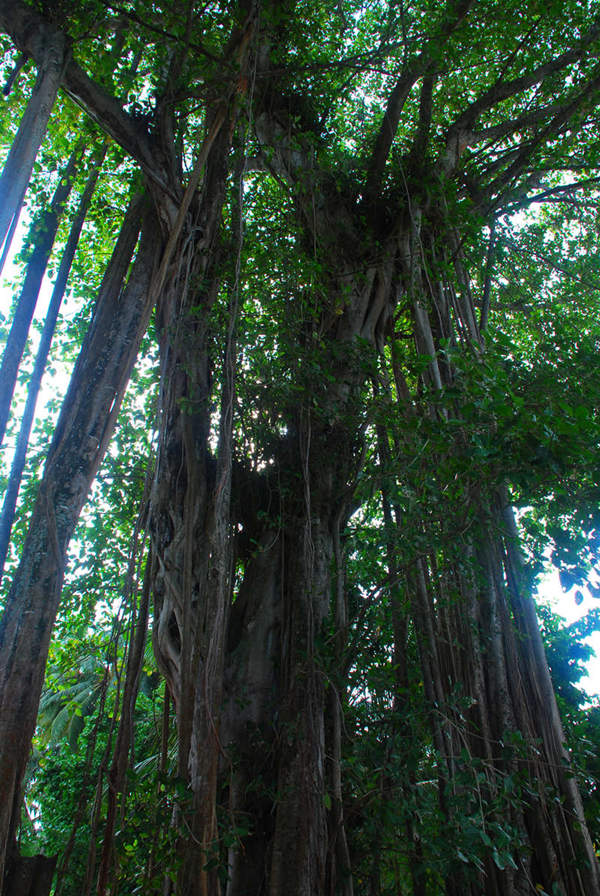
(82, 434)
(250, 711)
(248, 581)
(30, 876)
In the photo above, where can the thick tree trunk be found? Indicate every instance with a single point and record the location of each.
(250, 712)
(19, 163)
(41, 236)
(299, 847)
(276, 705)
(190, 507)
(30, 876)
(81, 437)
(274, 687)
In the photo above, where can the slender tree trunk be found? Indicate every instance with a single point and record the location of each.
(81, 437)
(18, 464)
(101, 775)
(151, 871)
(19, 163)
(339, 865)
(118, 769)
(81, 809)
(578, 865)
(478, 635)
(42, 237)
(8, 241)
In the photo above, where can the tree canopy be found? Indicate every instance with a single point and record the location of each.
(326, 284)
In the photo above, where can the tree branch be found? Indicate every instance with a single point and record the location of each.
(552, 129)
(564, 192)
(458, 133)
(487, 283)
(455, 14)
(160, 32)
(425, 112)
(31, 33)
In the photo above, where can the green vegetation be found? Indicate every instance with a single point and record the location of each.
(331, 319)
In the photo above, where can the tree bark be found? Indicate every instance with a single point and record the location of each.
(248, 723)
(472, 620)
(18, 464)
(30, 876)
(192, 567)
(479, 639)
(81, 437)
(124, 740)
(19, 163)
(41, 237)
(299, 847)
(190, 507)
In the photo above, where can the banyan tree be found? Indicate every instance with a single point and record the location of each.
(314, 226)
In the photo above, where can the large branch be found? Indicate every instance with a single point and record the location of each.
(455, 14)
(496, 136)
(458, 134)
(525, 122)
(425, 112)
(31, 34)
(563, 193)
(554, 127)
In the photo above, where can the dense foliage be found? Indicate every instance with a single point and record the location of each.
(352, 247)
